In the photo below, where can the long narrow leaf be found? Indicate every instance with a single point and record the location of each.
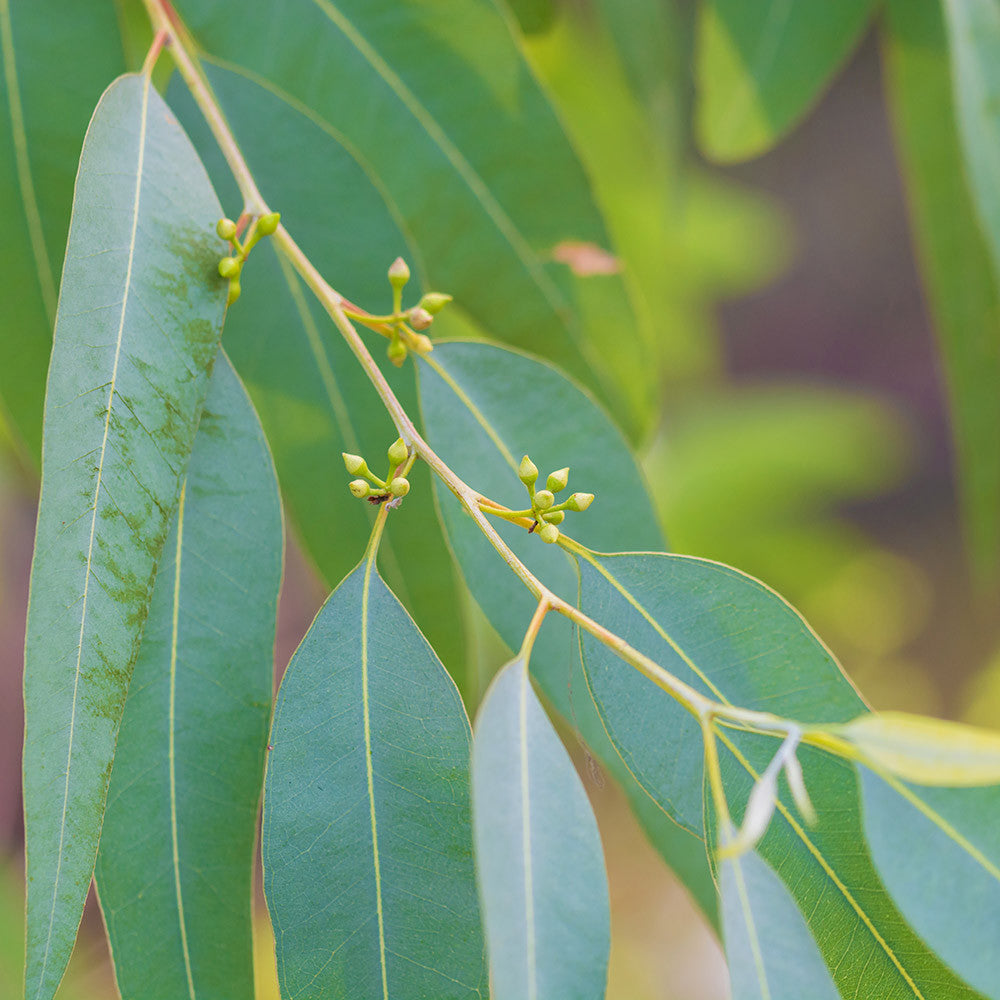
(139, 320)
(174, 868)
(538, 852)
(367, 845)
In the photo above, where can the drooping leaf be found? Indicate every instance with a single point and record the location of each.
(314, 399)
(189, 765)
(484, 407)
(45, 117)
(927, 751)
(139, 320)
(762, 64)
(468, 150)
(735, 640)
(367, 839)
(960, 280)
(938, 853)
(769, 949)
(538, 852)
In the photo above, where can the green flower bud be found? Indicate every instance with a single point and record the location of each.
(355, 464)
(267, 224)
(544, 500)
(434, 302)
(396, 353)
(579, 501)
(359, 488)
(549, 534)
(556, 517)
(399, 487)
(234, 292)
(226, 229)
(229, 267)
(420, 319)
(528, 472)
(399, 273)
(422, 343)
(398, 452)
(558, 480)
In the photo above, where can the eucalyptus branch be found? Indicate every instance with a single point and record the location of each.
(341, 311)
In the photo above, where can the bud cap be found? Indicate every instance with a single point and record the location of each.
(549, 534)
(398, 452)
(359, 488)
(558, 480)
(399, 273)
(528, 472)
(434, 302)
(226, 229)
(355, 464)
(399, 487)
(544, 499)
(267, 224)
(420, 318)
(229, 267)
(580, 501)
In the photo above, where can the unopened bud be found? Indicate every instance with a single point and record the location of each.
(579, 501)
(359, 488)
(226, 229)
(399, 487)
(234, 292)
(355, 464)
(267, 224)
(399, 273)
(528, 472)
(549, 534)
(420, 319)
(544, 500)
(421, 343)
(229, 267)
(556, 517)
(558, 480)
(434, 302)
(398, 452)
(396, 353)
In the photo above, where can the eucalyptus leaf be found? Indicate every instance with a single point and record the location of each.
(960, 278)
(538, 852)
(484, 407)
(367, 839)
(139, 321)
(769, 949)
(761, 65)
(465, 146)
(738, 642)
(314, 399)
(45, 121)
(938, 853)
(190, 758)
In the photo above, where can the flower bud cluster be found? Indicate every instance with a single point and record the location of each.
(231, 267)
(544, 509)
(368, 486)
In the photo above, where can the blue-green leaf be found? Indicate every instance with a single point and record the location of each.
(538, 852)
(367, 842)
(938, 853)
(140, 314)
(190, 759)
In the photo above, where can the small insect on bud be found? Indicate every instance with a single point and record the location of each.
(234, 292)
(267, 224)
(398, 452)
(359, 488)
(549, 534)
(399, 273)
(396, 353)
(528, 472)
(399, 487)
(579, 501)
(226, 229)
(229, 267)
(558, 480)
(556, 517)
(434, 302)
(544, 499)
(355, 464)
(420, 319)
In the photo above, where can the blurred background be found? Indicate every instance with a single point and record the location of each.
(804, 439)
